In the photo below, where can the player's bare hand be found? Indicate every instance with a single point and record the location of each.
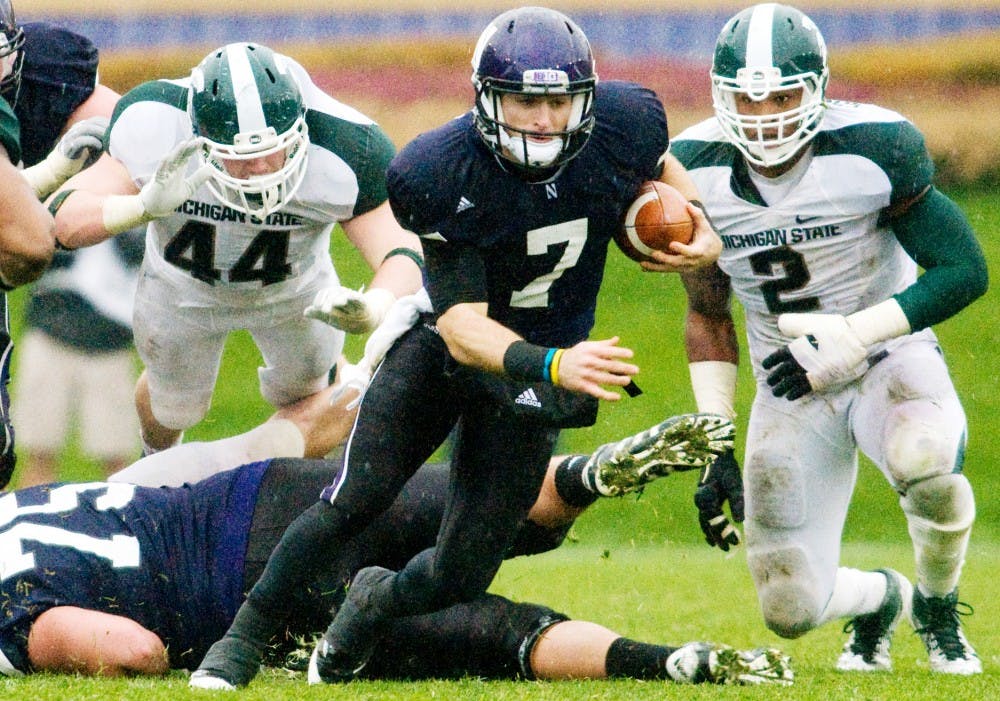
(702, 251)
(590, 366)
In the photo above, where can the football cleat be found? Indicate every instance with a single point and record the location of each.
(935, 619)
(349, 641)
(205, 679)
(231, 662)
(685, 442)
(867, 649)
(329, 666)
(699, 663)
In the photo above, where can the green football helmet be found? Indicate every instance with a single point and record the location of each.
(246, 104)
(761, 50)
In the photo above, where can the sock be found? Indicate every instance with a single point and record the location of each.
(635, 660)
(570, 483)
(193, 462)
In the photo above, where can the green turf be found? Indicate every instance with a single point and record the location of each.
(637, 565)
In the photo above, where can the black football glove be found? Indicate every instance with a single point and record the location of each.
(720, 482)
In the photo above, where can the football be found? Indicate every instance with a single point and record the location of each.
(657, 216)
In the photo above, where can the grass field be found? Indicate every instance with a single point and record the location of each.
(637, 565)
(666, 593)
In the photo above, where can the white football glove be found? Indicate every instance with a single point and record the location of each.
(353, 311)
(402, 315)
(826, 354)
(79, 147)
(170, 187)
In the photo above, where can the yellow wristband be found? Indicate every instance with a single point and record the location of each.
(554, 365)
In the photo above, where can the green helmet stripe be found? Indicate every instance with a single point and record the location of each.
(249, 107)
(760, 37)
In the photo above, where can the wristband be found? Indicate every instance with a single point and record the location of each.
(408, 252)
(526, 361)
(714, 386)
(123, 212)
(554, 365)
(58, 200)
(879, 322)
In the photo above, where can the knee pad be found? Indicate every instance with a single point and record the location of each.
(788, 590)
(943, 502)
(918, 447)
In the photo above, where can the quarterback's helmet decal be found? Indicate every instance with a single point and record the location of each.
(762, 50)
(246, 105)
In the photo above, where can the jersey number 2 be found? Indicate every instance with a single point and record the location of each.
(795, 278)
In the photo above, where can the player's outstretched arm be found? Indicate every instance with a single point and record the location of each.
(395, 257)
(76, 640)
(102, 200)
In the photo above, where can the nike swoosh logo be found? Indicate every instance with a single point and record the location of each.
(799, 219)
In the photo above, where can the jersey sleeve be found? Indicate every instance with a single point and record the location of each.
(938, 236)
(58, 75)
(628, 108)
(363, 146)
(10, 132)
(148, 121)
(421, 185)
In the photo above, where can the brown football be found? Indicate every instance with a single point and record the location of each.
(657, 216)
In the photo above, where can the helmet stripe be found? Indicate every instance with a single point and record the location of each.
(249, 110)
(759, 36)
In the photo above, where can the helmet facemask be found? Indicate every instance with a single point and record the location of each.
(772, 139)
(246, 105)
(518, 145)
(258, 195)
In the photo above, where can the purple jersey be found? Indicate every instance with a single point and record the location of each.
(542, 246)
(152, 555)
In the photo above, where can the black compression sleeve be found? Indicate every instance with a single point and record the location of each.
(455, 274)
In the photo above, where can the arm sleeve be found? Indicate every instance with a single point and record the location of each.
(937, 235)
(455, 274)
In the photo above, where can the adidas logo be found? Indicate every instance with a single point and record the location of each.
(529, 398)
(463, 204)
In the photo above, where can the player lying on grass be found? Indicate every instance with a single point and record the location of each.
(111, 578)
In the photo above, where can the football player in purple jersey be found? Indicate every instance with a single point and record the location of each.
(515, 202)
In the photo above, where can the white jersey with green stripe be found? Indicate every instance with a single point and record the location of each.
(207, 240)
(822, 244)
